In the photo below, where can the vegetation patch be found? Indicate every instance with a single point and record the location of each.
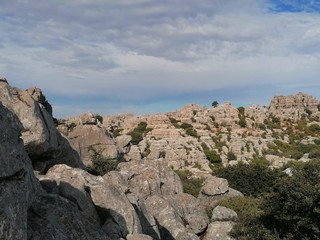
(139, 132)
(100, 164)
(190, 184)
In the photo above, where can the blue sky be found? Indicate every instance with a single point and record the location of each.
(148, 56)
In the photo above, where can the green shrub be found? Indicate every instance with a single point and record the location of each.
(174, 122)
(139, 132)
(231, 156)
(100, 164)
(315, 153)
(251, 179)
(192, 132)
(71, 126)
(190, 184)
(292, 208)
(262, 126)
(245, 207)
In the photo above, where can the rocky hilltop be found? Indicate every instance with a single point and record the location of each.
(50, 169)
(195, 137)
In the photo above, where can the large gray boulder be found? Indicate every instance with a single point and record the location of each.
(161, 221)
(221, 213)
(191, 212)
(52, 217)
(218, 231)
(150, 177)
(107, 194)
(214, 189)
(17, 183)
(38, 133)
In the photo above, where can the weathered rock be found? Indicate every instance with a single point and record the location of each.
(221, 213)
(52, 217)
(112, 203)
(214, 186)
(161, 220)
(107, 194)
(218, 231)
(146, 178)
(17, 183)
(214, 189)
(85, 137)
(123, 142)
(293, 106)
(73, 184)
(138, 237)
(193, 214)
(39, 133)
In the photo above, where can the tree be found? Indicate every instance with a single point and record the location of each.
(214, 104)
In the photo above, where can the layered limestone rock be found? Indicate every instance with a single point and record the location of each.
(294, 106)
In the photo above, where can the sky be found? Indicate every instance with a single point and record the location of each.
(150, 56)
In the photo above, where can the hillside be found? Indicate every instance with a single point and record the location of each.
(165, 176)
(196, 137)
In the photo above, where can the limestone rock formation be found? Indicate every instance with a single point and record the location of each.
(27, 211)
(293, 106)
(43, 143)
(214, 189)
(39, 133)
(218, 231)
(17, 183)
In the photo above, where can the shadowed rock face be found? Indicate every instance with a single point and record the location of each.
(17, 183)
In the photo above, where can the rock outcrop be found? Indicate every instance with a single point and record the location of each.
(27, 211)
(43, 143)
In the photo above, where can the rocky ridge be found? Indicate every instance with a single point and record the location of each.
(195, 137)
(48, 194)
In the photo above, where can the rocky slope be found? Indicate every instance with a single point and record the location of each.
(46, 192)
(196, 137)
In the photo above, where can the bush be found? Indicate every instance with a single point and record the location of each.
(251, 179)
(191, 132)
(139, 132)
(212, 156)
(190, 184)
(231, 156)
(100, 164)
(292, 208)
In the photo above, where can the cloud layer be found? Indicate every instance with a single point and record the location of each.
(148, 56)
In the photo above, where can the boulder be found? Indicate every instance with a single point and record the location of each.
(39, 133)
(150, 177)
(85, 138)
(161, 220)
(221, 213)
(214, 189)
(193, 215)
(218, 231)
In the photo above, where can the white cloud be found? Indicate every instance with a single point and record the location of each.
(135, 53)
